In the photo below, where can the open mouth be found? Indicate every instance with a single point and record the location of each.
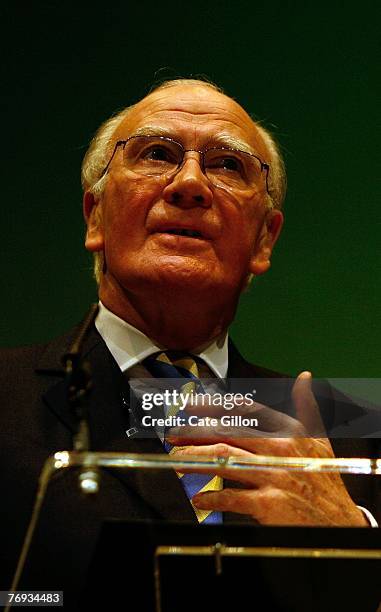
(184, 232)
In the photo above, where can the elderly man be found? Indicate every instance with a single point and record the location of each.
(182, 203)
(182, 198)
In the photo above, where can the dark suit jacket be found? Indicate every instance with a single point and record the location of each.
(36, 421)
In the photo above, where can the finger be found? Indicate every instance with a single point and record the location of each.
(242, 501)
(257, 442)
(247, 412)
(201, 430)
(246, 473)
(214, 405)
(237, 436)
(306, 407)
(268, 505)
(210, 453)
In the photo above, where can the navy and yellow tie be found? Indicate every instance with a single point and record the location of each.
(173, 364)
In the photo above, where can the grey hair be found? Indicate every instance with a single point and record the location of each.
(277, 180)
(100, 150)
(97, 155)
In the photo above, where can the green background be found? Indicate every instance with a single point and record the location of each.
(309, 70)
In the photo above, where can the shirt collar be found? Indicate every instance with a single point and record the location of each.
(130, 346)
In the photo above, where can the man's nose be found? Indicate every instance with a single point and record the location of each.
(189, 187)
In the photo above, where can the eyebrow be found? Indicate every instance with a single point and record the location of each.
(219, 140)
(153, 130)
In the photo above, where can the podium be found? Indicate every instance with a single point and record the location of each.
(235, 567)
(168, 566)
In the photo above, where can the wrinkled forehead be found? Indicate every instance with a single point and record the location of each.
(197, 115)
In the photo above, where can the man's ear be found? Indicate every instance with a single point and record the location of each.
(92, 211)
(271, 228)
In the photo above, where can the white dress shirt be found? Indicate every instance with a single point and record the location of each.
(130, 346)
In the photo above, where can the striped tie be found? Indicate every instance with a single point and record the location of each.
(173, 364)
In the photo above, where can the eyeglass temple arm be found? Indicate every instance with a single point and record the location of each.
(266, 168)
(117, 144)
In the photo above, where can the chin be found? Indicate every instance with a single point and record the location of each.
(192, 280)
(175, 277)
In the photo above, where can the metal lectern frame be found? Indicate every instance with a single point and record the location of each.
(90, 464)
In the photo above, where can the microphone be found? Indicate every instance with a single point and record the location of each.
(79, 384)
(78, 381)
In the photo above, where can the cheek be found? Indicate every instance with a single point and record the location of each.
(127, 204)
(241, 222)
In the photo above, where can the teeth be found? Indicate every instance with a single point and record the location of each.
(185, 232)
(191, 233)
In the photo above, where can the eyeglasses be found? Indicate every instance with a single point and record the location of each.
(162, 157)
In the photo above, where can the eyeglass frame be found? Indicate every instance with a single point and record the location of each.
(264, 165)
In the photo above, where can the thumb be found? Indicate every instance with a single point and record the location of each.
(306, 406)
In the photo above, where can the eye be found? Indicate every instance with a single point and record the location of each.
(151, 155)
(230, 163)
(160, 153)
(157, 152)
(220, 161)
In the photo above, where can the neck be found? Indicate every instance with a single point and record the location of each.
(184, 323)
